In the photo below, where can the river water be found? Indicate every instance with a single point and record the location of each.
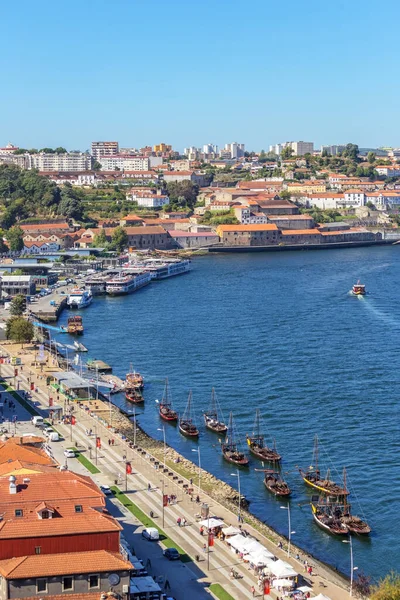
(278, 332)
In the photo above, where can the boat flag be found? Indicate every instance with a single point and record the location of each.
(210, 540)
(165, 499)
(73, 420)
(128, 468)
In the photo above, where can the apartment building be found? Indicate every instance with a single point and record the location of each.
(149, 198)
(100, 149)
(299, 148)
(124, 162)
(68, 161)
(333, 150)
(162, 148)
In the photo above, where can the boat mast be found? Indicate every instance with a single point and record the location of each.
(345, 486)
(229, 433)
(188, 408)
(316, 452)
(165, 398)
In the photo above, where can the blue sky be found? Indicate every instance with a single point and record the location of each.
(189, 72)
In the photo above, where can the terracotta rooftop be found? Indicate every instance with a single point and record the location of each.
(81, 596)
(44, 226)
(301, 232)
(12, 450)
(260, 227)
(71, 563)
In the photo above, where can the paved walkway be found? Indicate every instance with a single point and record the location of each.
(112, 465)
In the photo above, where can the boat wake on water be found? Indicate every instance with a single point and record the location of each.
(381, 315)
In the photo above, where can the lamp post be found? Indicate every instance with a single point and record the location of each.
(237, 474)
(289, 527)
(163, 477)
(198, 453)
(352, 567)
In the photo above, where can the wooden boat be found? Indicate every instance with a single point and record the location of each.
(133, 395)
(75, 325)
(358, 289)
(275, 483)
(257, 445)
(187, 426)
(230, 450)
(312, 477)
(211, 416)
(352, 522)
(327, 520)
(165, 409)
(134, 380)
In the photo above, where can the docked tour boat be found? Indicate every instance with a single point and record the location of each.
(358, 289)
(275, 484)
(133, 395)
(187, 426)
(211, 417)
(343, 511)
(75, 325)
(79, 298)
(165, 410)
(312, 478)
(257, 446)
(327, 520)
(229, 447)
(134, 380)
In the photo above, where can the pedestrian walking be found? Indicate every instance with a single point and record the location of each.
(253, 590)
(184, 522)
(167, 585)
(178, 521)
(204, 547)
(149, 487)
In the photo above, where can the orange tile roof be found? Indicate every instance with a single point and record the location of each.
(301, 232)
(325, 195)
(354, 191)
(10, 450)
(71, 563)
(260, 227)
(45, 226)
(81, 596)
(14, 467)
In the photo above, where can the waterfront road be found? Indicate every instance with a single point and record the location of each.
(189, 579)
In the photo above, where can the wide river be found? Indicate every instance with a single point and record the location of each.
(279, 332)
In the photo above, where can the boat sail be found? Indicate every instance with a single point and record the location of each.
(230, 450)
(257, 446)
(312, 477)
(211, 416)
(166, 411)
(187, 426)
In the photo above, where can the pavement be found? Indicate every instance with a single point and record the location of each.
(186, 579)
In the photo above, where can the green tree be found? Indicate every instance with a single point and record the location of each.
(19, 330)
(285, 195)
(17, 306)
(287, 152)
(96, 166)
(387, 589)
(119, 239)
(371, 156)
(60, 150)
(47, 150)
(183, 189)
(100, 239)
(15, 238)
(3, 247)
(351, 151)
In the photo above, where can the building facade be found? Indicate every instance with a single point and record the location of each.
(124, 162)
(100, 149)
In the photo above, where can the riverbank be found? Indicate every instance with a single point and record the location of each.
(290, 248)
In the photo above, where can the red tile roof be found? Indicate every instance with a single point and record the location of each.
(44, 226)
(301, 232)
(71, 563)
(260, 227)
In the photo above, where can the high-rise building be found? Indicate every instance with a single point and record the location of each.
(299, 148)
(100, 149)
(210, 149)
(162, 147)
(332, 150)
(67, 161)
(236, 150)
(125, 162)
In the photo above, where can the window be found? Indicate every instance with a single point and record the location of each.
(45, 514)
(78, 508)
(41, 585)
(68, 583)
(38, 549)
(19, 512)
(94, 581)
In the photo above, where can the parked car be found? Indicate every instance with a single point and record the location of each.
(69, 453)
(172, 554)
(151, 533)
(106, 490)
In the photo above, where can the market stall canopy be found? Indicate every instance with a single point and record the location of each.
(212, 522)
(321, 597)
(280, 568)
(305, 588)
(227, 531)
(282, 583)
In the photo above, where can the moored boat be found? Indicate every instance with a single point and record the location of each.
(187, 427)
(134, 380)
(166, 412)
(229, 447)
(358, 289)
(275, 484)
(312, 477)
(212, 419)
(327, 520)
(257, 445)
(127, 283)
(133, 395)
(354, 523)
(75, 325)
(78, 298)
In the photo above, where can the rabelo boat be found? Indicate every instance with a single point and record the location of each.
(187, 426)
(166, 412)
(257, 446)
(312, 477)
(212, 419)
(229, 447)
(75, 325)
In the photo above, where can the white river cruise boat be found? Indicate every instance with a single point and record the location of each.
(160, 268)
(79, 298)
(126, 283)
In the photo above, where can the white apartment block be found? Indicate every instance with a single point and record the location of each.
(100, 149)
(333, 150)
(236, 150)
(299, 148)
(147, 198)
(388, 171)
(210, 149)
(123, 162)
(69, 161)
(354, 198)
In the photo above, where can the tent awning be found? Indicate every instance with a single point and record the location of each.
(282, 569)
(227, 531)
(212, 522)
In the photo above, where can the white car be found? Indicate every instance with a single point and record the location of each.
(69, 453)
(106, 490)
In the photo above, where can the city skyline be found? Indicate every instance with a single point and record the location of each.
(191, 76)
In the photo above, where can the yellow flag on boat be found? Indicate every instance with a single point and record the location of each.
(248, 441)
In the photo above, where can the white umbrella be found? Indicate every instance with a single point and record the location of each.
(212, 522)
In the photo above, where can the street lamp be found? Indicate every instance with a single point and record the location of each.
(163, 478)
(237, 474)
(352, 567)
(289, 527)
(198, 452)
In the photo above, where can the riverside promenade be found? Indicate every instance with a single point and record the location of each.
(110, 461)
